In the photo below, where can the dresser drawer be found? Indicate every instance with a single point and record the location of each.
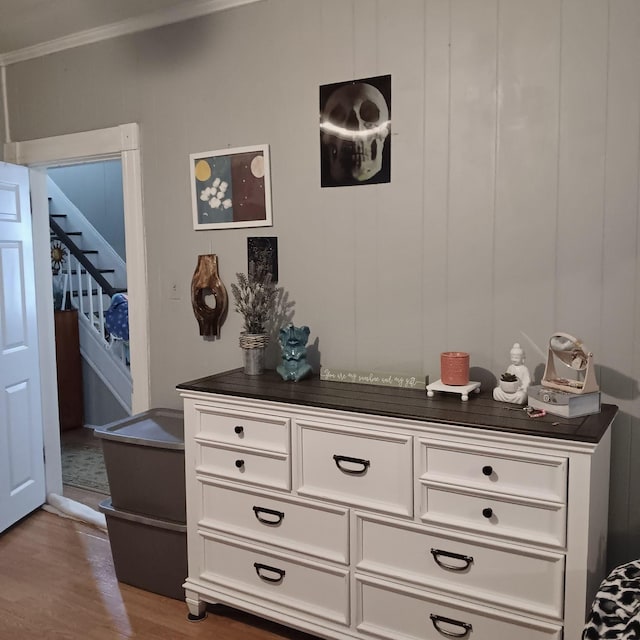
(543, 477)
(361, 468)
(311, 587)
(535, 522)
(267, 469)
(313, 528)
(524, 579)
(397, 613)
(243, 428)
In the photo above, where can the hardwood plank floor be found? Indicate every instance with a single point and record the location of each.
(57, 582)
(84, 496)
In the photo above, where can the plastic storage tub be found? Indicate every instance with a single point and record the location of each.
(144, 458)
(148, 553)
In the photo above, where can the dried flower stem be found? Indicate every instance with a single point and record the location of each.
(255, 297)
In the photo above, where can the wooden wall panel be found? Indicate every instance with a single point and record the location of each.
(399, 204)
(619, 266)
(583, 110)
(435, 183)
(369, 252)
(526, 182)
(472, 146)
(307, 245)
(320, 271)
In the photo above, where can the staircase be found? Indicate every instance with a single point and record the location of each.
(88, 283)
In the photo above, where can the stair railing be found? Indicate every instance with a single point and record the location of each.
(94, 287)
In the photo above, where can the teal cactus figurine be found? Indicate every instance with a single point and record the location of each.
(293, 343)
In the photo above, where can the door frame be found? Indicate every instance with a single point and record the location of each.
(121, 142)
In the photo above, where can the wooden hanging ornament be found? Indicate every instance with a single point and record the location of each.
(206, 282)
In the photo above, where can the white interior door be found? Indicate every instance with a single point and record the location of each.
(22, 484)
(122, 141)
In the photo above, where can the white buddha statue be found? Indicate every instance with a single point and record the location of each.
(518, 369)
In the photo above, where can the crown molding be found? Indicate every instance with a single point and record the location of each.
(184, 11)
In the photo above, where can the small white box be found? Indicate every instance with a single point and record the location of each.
(561, 403)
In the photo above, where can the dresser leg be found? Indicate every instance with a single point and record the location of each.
(197, 608)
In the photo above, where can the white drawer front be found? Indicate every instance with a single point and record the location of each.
(534, 522)
(528, 580)
(358, 468)
(269, 470)
(317, 589)
(407, 614)
(518, 474)
(244, 429)
(313, 528)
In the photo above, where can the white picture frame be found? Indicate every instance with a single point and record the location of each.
(231, 188)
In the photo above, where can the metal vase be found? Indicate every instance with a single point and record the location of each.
(253, 352)
(253, 361)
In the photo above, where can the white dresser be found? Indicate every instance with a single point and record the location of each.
(353, 511)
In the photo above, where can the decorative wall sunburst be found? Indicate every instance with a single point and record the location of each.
(58, 256)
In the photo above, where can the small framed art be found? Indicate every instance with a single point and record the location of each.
(231, 188)
(263, 251)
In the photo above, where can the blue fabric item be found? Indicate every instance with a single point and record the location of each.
(116, 317)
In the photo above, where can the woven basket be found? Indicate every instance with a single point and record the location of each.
(253, 340)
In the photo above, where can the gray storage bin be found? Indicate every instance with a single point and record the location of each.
(147, 553)
(144, 458)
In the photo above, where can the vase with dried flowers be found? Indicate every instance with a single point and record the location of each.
(255, 300)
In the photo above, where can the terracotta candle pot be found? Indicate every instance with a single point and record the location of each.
(454, 367)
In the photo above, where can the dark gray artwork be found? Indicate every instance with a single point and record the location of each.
(263, 251)
(355, 127)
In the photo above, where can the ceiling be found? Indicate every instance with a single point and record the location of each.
(25, 24)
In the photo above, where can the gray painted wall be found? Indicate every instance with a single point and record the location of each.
(513, 207)
(96, 189)
(3, 137)
(100, 407)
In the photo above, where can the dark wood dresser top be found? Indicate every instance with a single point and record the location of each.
(480, 411)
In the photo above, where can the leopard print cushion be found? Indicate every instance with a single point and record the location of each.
(615, 612)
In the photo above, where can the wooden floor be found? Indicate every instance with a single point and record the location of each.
(57, 581)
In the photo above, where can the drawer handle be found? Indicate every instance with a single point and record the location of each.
(486, 470)
(239, 464)
(271, 512)
(238, 429)
(436, 553)
(487, 512)
(356, 472)
(436, 620)
(267, 578)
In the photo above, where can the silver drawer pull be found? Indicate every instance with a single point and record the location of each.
(279, 515)
(437, 553)
(436, 620)
(261, 568)
(357, 461)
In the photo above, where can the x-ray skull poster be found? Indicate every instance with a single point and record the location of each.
(355, 132)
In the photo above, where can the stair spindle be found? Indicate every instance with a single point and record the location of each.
(90, 299)
(79, 292)
(101, 314)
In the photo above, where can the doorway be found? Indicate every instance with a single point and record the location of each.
(94, 386)
(121, 142)
(86, 202)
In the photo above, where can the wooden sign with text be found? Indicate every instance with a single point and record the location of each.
(374, 377)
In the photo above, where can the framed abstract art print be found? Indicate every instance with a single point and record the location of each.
(231, 188)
